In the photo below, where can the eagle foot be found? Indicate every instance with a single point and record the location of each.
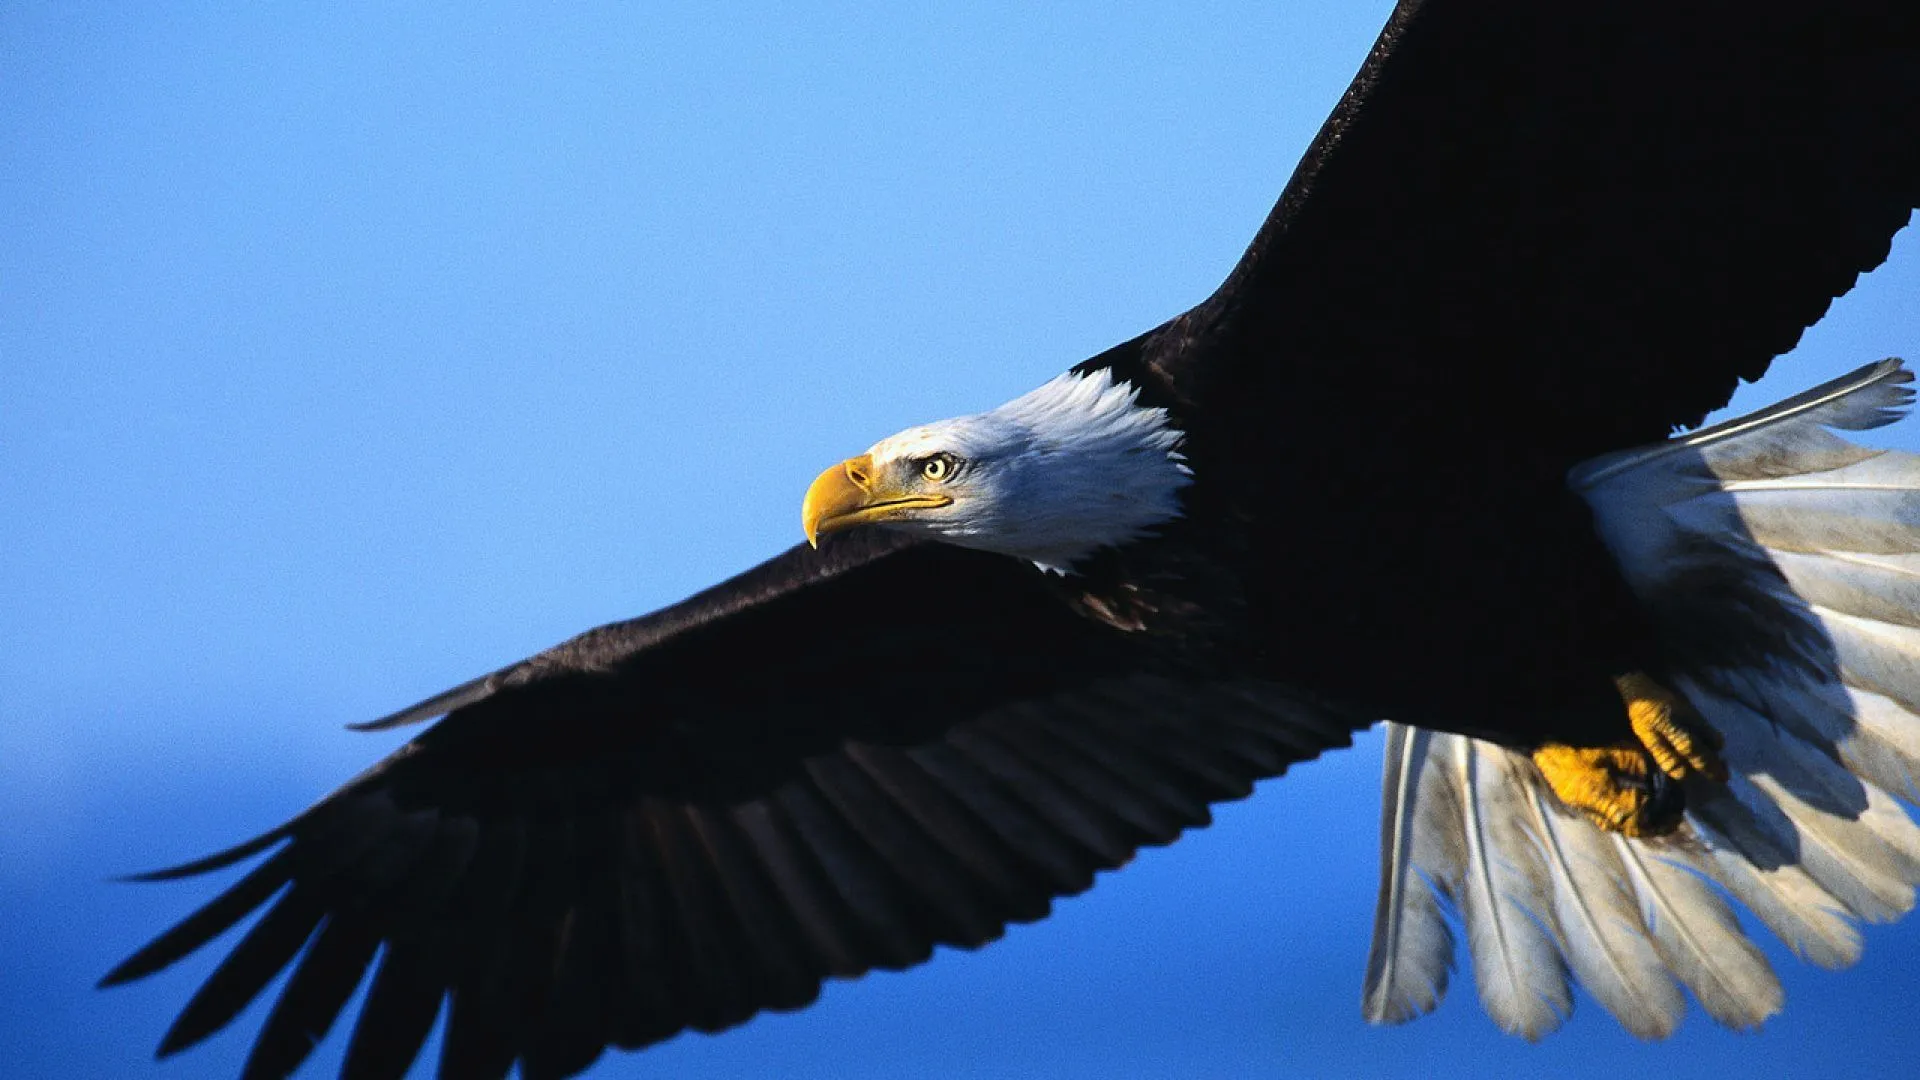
(1634, 787)
(1618, 788)
(1682, 744)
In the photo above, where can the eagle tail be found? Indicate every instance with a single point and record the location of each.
(1780, 564)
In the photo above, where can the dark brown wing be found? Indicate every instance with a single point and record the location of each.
(1531, 233)
(1569, 227)
(828, 765)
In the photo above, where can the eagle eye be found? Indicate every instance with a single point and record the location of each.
(939, 468)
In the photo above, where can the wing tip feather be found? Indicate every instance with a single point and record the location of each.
(219, 860)
(436, 706)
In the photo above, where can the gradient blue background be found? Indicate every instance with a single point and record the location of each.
(345, 354)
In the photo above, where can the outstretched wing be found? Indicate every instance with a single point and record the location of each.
(828, 765)
(1531, 233)
(1569, 227)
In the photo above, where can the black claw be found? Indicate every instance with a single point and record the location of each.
(1666, 804)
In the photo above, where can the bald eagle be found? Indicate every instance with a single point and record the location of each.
(1413, 460)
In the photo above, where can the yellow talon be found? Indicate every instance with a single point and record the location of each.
(1608, 784)
(1680, 741)
(1617, 787)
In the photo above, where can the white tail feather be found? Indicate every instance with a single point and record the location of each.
(1873, 736)
(1505, 898)
(1600, 927)
(1699, 938)
(1879, 587)
(1407, 976)
(1763, 875)
(1821, 719)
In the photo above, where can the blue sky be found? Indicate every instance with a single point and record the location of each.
(346, 353)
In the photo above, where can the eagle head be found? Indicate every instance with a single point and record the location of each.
(1076, 465)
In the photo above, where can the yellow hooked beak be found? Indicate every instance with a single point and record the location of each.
(855, 493)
